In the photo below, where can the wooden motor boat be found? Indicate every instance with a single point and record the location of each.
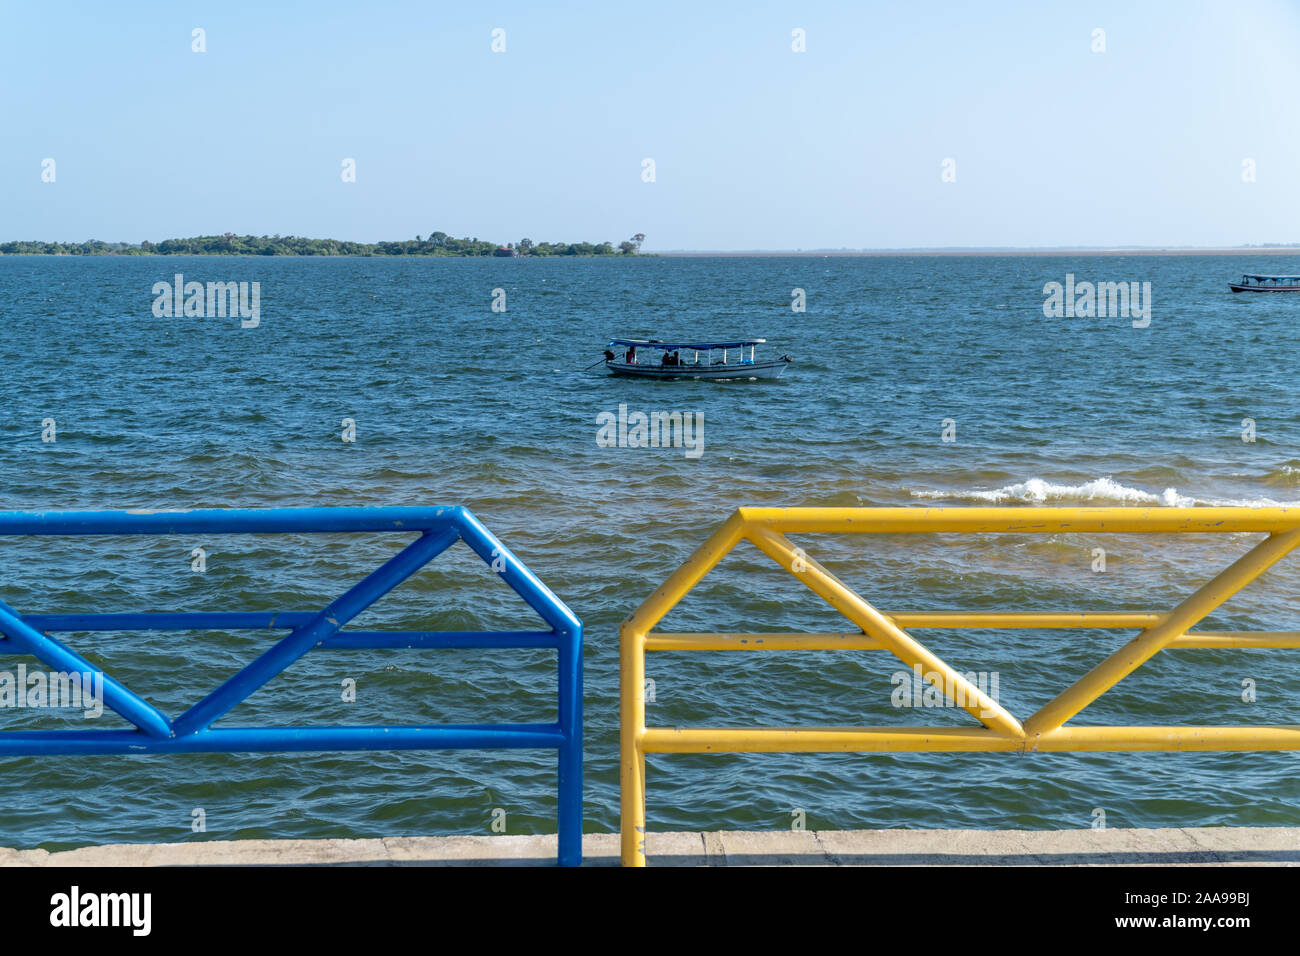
(1257, 283)
(720, 361)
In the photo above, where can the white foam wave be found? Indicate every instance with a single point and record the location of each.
(1039, 491)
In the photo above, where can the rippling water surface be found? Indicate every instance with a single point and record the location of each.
(455, 403)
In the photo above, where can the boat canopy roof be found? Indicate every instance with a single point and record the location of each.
(674, 346)
(1251, 275)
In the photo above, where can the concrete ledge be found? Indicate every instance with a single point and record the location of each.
(1277, 846)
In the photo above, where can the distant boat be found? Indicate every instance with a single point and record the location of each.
(721, 361)
(1253, 283)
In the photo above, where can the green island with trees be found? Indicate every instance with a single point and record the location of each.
(435, 244)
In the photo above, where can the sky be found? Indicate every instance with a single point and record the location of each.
(754, 145)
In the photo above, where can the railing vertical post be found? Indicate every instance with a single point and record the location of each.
(632, 646)
(631, 758)
(569, 811)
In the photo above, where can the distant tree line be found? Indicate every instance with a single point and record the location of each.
(435, 244)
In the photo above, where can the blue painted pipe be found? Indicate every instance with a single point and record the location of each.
(283, 620)
(171, 621)
(229, 521)
(267, 739)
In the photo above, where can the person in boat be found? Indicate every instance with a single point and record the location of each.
(670, 358)
(630, 356)
(609, 356)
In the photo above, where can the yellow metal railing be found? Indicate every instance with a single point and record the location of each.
(1043, 731)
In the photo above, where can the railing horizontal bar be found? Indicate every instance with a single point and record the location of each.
(1257, 639)
(284, 620)
(370, 640)
(953, 620)
(169, 621)
(233, 521)
(265, 739)
(1022, 520)
(823, 739)
(952, 739)
(1284, 737)
(762, 642)
(863, 642)
(1049, 620)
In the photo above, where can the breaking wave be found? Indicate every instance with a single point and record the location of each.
(1039, 491)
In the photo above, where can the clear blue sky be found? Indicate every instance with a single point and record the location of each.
(756, 147)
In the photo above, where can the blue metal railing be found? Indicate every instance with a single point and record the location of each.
(191, 731)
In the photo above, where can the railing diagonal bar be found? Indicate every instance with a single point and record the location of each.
(129, 705)
(303, 638)
(1193, 609)
(905, 647)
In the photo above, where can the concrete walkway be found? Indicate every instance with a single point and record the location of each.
(1204, 846)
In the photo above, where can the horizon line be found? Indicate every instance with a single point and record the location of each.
(1289, 249)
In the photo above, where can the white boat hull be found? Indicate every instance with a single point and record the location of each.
(730, 372)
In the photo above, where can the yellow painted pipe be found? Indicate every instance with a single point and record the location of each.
(694, 740)
(1022, 520)
(699, 740)
(1258, 639)
(631, 756)
(762, 642)
(1168, 738)
(862, 642)
(1051, 620)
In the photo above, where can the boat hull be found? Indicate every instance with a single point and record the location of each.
(1235, 287)
(731, 372)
